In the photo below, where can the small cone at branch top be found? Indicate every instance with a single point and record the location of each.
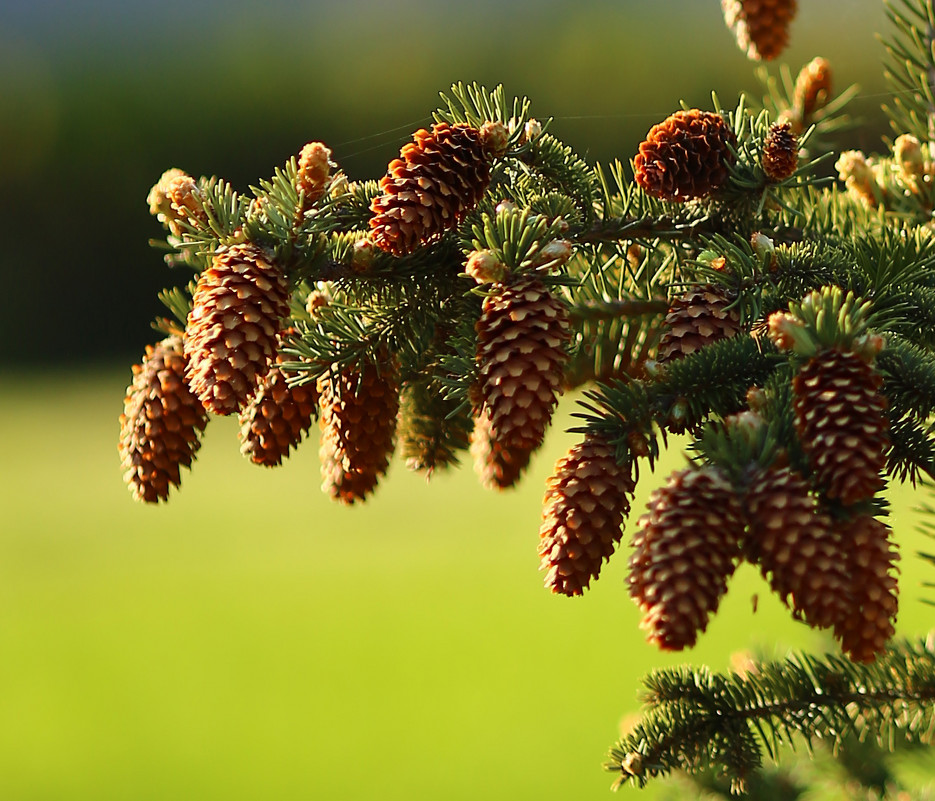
(276, 418)
(359, 407)
(700, 316)
(686, 156)
(686, 548)
(867, 624)
(313, 170)
(440, 176)
(841, 422)
(161, 424)
(761, 27)
(586, 501)
(780, 156)
(796, 547)
(521, 337)
(232, 330)
(812, 92)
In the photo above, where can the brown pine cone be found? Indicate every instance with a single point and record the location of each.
(840, 420)
(521, 336)
(868, 623)
(780, 156)
(695, 319)
(685, 156)
(760, 26)
(276, 418)
(161, 423)
(586, 500)
(798, 550)
(358, 423)
(685, 550)
(440, 176)
(232, 329)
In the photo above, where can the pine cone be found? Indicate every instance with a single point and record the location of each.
(840, 420)
(440, 176)
(429, 436)
(780, 156)
(812, 91)
(161, 423)
(232, 327)
(276, 418)
(686, 549)
(867, 624)
(358, 423)
(313, 169)
(695, 319)
(760, 26)
(521, 336)
(586, 501)
(685, 156)
(795, 545)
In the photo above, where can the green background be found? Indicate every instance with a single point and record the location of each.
(251, 639)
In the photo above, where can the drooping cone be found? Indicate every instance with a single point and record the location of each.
(685, 550)
(231, 336)
(780, 156)
(840, 420)
(440, 176)
(868, 623)
(276, 418)
(796, 546)
(432, 432)
(700, 316)
(358, 423)
(685, 156)
(521, 336)
(586, 500)
(161, 423)
(498, 465)
(761, 27)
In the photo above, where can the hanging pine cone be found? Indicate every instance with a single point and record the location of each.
(685, 550)
(700, 316)
(761, 27)
(685, 156)
(161, 423)
(780, 156)
(795, 545)
(868, 622)
(586, 500)
(440, 176)
(358, 423)
(232, 327)
(521, 356)
(431, 430)
(276, 418)
(840, 420)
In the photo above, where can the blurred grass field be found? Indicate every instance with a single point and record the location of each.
(254, 640)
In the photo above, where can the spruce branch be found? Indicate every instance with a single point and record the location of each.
(695, 719)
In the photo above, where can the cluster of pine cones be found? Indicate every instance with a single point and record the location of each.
(834, 569)
(816, 539)
(228, 359)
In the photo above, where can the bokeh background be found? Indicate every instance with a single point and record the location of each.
(250, 640)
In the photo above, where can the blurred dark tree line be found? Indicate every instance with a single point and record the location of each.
(98, 98)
